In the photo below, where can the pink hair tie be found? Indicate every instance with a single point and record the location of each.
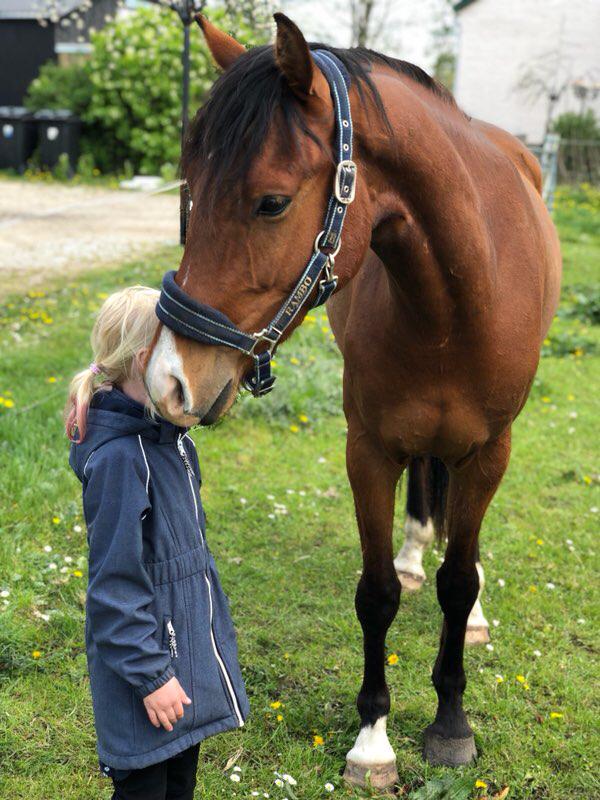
(95, 368)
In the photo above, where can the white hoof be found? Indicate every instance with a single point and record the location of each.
(372, 760)
(409, 561)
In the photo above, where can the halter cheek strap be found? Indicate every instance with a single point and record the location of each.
(184, 315)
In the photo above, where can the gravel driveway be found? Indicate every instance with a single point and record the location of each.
(53, 229)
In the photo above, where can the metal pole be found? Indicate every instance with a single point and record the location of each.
(185, 102)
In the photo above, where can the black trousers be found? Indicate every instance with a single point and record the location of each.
(173, 779)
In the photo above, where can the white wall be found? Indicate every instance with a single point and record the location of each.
(499, 39)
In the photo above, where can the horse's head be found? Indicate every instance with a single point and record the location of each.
(258, 162)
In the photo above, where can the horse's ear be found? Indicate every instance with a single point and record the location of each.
(224, 48)
(293, 58)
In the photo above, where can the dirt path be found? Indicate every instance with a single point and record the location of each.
(47, 230)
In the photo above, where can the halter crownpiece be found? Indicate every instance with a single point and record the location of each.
(187, 317)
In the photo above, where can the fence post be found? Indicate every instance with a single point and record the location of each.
(549, 164)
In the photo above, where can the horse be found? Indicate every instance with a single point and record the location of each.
(445, 286)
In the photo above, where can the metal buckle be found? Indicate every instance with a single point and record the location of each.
(344, 185)
(317, 246)
(262, 336)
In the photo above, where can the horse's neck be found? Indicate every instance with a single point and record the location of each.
(428, 228)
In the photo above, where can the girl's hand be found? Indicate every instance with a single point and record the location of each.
(165, 705)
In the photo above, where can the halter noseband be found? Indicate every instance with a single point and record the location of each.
(184, 315)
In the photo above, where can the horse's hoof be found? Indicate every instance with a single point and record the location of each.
(440, 752)
(410, 582)
(478, 634)
(378, 776)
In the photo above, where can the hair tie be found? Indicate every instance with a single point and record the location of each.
(95, 368)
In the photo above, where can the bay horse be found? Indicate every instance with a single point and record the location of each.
(448, 279)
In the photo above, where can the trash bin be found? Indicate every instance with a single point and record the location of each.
(17, 137)
(58, 133)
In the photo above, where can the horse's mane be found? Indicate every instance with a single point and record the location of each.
(230, 129)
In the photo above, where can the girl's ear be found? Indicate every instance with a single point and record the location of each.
(140, 360)
(293, 58)
(224, 48)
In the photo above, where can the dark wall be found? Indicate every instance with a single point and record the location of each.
(24, 47)
(93, 18)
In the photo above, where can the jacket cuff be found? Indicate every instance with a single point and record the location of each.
(147, 688)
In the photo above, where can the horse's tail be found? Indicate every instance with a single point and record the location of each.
(427, 491)
(438, 482)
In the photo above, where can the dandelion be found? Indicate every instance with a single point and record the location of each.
(294, 428)
(546, 400)
(479, 784)
(393, 659)
(51, 379)
(303, 418)
(329, 787)
(36, 654)
(539, 541)
(8, 403)
(318, 740)
(587, 480)
(276, 704)
(77, 573)
(555, 715)
(294, 361)
(279, 717)
(533, 588)
(499, 678)
(521, 678)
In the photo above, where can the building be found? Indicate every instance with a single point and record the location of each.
(521, 63)
(35, 31)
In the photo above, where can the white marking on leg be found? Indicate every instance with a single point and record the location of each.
(418, 537)
(476, 617)
(372, 746)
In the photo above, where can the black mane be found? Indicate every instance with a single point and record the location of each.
(230, 129)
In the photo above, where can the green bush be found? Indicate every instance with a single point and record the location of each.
(128, 93)
(583, 127)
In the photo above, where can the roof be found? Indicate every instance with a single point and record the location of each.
(36, 9)
(462, 4)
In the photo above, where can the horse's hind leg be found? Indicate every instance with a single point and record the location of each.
(424, 495)
(449, 740)
(418, 527)
(373, 478)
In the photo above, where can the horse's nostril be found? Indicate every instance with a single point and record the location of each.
(178, 392)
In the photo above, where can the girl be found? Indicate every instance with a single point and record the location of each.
(160, 643)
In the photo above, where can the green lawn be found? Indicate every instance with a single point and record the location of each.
(280, 522)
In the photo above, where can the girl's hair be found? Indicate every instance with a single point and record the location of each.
(125, 324)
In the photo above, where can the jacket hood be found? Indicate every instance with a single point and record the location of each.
(113, 414)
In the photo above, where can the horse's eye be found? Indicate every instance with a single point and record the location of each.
(272, 205)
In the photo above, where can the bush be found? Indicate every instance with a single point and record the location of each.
(583, 127)
(128, 93)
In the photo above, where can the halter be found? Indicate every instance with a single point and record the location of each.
(187, 317)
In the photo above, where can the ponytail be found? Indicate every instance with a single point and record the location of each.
(81, 391)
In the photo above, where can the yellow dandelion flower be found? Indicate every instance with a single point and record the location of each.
(587, 480)
(275, 704)
(294, 428)
(570, 397)
(479, 784)
(539, 541)
(2, 401)
(578, 352)
(324, 328)
(393, 659)
(555, 715)
(318, 740)
(48, 321)
(8, 403)
(294, 361)
(533, 588)
(55, 520)
(303, 418)
(102, 295)
(279, 717)
(546, 400)
(36, 654)
(520, 678)
(77, 573)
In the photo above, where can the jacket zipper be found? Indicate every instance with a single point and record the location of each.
(220, 661)
(172, 640)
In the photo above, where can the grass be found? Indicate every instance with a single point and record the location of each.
(282, 528)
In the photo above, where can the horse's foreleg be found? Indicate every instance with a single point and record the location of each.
(373, 478)
(450, 739)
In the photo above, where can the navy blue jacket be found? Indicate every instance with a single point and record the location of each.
(155, 607)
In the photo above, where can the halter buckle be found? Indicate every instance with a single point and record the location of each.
(270, 335)
(344, 186)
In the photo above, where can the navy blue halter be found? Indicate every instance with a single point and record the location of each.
(184, 315)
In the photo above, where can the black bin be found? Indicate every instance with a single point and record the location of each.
(17, 137)
(58, 133)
